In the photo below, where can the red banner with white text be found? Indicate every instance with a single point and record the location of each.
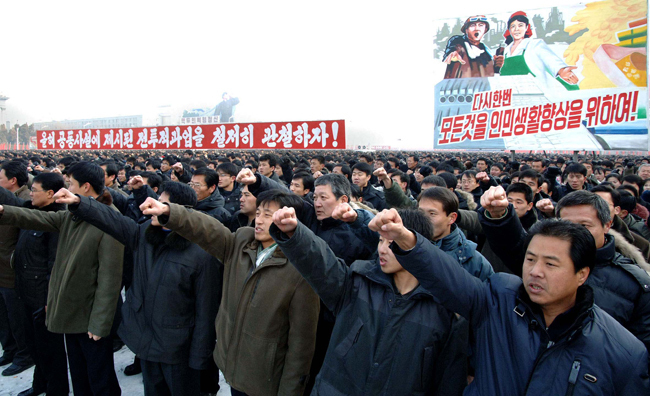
(298, 135)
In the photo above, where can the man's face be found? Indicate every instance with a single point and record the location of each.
(441, 221)
(363, 159)
(200, 187)
(410, 162)
(418, 175)
(150, 168)
(613, 210)
(575, 180)
(644, 172)
(325, 201)
(39, 196)
(265, 169)
(225, 180)
(614, 181)
(537, 166)
(247, 202)
(588, 217)
(475, 32)
(589, 168)
(400, 183)
(337, 169)
(518, 200)
(108, 180)
(481, 166)
(9, 184)
(315, 165)
(76, 188)
(298, 188)
(165, 166)
(468, 183)
(263, 220)
(121, 175)
(387, 260)
(532, 183)
(495, 171)
(360, 178)
(549, 275)
(378, 164)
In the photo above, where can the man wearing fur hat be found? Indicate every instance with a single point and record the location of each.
(465, 55)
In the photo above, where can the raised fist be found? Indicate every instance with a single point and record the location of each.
(154, 207)
(482, 177)
(136, 182)
(495, 201)
(345, 213)
(389, 225)
(285, 219)
(246, 177)
(63, 196)
(546, 206)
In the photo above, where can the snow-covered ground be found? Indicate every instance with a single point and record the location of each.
(131, 386)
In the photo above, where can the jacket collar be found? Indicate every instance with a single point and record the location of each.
(209, 202)
(451, 241)
(371, 270)
(529, 219)
(605, 254)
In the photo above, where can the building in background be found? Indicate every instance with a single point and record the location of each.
(132, 121)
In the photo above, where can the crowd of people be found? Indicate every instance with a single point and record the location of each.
(326, 273)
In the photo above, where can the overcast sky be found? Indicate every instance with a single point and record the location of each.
(370, 63)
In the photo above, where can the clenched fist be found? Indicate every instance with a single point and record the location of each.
(246, 177)
(495, 201)
(285, 219)
(345, 213)
(63, 196)
(389, 225)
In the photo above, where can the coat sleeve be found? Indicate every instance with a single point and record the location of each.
(360, 228)
(395, 198)
(52, 243)
(440, 274)
(468, 220)
(303, 320)
(205, 308)
(32, 219)
(8, 198)
(200, 228)
(125, 230)
(109, 283)
(263, 183)
(506, 237)
(328, 275)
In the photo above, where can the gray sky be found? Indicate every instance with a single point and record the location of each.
(368, 62)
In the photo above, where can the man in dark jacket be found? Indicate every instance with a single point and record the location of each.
(33, 261)
(378, 305)
(225, 108)
(84, 285)
(621, 287)
(171, 306)
(361, 173)
(558, 341)
(204, 182)
(228, 186)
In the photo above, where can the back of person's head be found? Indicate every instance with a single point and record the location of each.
(434, 181)
(631, 189)
(445, 167)
(338, 183)
(447, 199)
(417, 221)
(362, 167)
(425, 170)
(585, 198)
(210, 175)
(50, 181)
(627, 200)
(521, 188)
(449, 178)
(16, 169)
(583, 245)
(171, 159)
(198, 164)
(66, 161)
(87, 172)
(634, 179)
(355, 193)
(179, 193)
(153, 180)
(229, 168)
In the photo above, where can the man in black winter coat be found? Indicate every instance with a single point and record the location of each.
(169, 313)
(33, 261)
(204, 182)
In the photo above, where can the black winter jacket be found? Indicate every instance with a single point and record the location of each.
(383, 343)
(169, 312)
(213, 206)
(231, 199)
(621, 288)
(375, 197)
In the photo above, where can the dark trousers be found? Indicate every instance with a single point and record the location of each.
(162, 379)
(12, 327)
(48, 351)
(91, 366)
(210, 378)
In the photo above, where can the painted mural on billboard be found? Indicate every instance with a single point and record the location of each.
(559, 78)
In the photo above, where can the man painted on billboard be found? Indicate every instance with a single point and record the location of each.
(465, 55)
(525, 55)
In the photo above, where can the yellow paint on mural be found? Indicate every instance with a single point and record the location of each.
(603, 19)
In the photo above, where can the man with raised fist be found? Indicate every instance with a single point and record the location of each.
(377, 305)
(542, 334)
(621, 287)
(266, 325)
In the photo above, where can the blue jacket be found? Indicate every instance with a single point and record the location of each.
(464, 251)
(514, 353)
(383, 343)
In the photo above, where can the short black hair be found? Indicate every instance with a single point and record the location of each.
(179, 193)
(607, 188)
(272, 159)
(153, 179)
(635, 179)
(436, 180)
(228, 167)
(449, 178)
(50, 181)
(362, 167)
(425, 170)
(531, 174)
(345, 169)
(583, 197)
(210, 175)
(282, 198)
(319, 158)
(18, 170)
(154, 162)
(198, 164)
(576, 168)
(521, 188)
(417, 221)
(448, 199)
(307, 179)
(627, 200)
(88, 172)
(111, 168)
(583, 245)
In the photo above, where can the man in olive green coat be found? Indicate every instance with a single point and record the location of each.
(266, 325)
(84, 285)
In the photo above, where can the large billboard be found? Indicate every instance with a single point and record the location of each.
(300, 135)
(560, 78)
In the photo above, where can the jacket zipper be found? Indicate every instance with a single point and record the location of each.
(573, 377)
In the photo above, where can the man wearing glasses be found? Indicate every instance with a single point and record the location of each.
(204, 182)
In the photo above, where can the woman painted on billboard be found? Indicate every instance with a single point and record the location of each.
(524, 55)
